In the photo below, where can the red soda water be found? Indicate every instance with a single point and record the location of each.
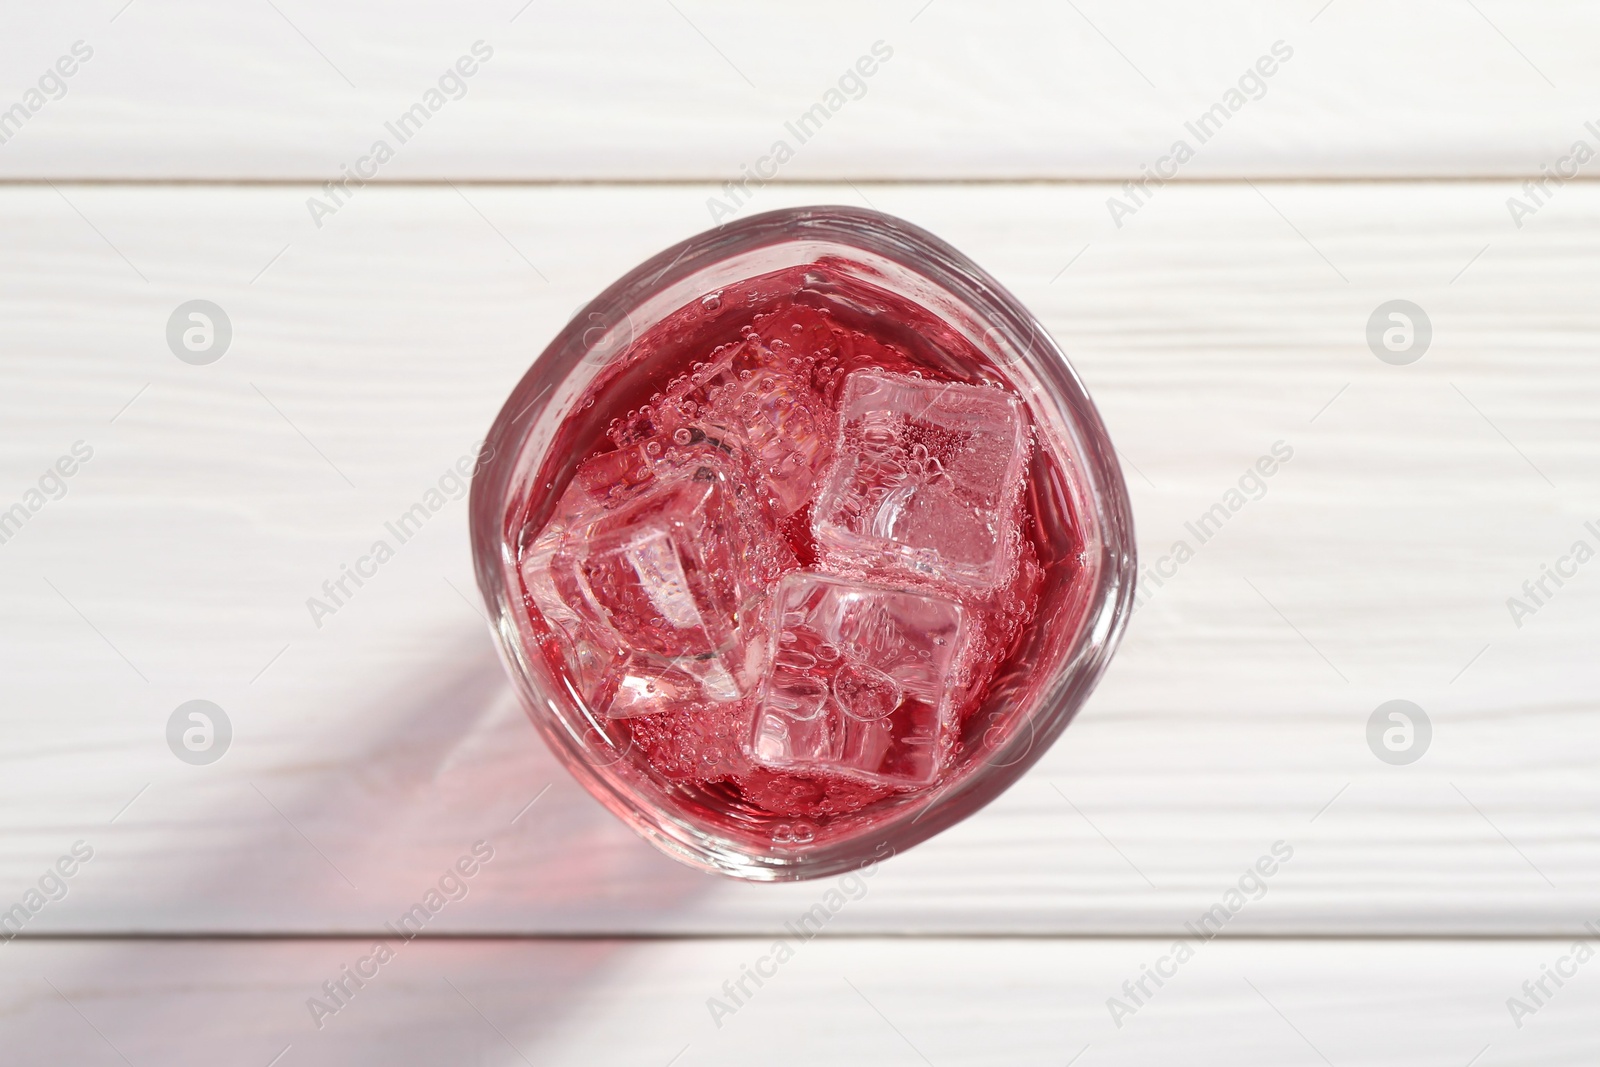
(798, 540)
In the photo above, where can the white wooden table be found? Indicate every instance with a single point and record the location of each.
(1226, 313)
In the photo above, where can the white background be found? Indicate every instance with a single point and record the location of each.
(371, 352)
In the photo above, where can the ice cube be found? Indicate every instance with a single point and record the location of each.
(651, 583)
(782, 422)
(635, 684)
(858, 680)
(926, 478)
(747, 398)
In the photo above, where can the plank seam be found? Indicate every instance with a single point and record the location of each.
(317, 181)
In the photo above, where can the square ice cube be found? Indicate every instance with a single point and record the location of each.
(858, 680)
(780, 420)
(747, 398)
(635, 684)
(926, 478)
(651, 586)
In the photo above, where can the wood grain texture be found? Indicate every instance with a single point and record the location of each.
(697, 89)
(369, 753)
(947, 1003)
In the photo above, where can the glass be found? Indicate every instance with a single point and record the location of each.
(1083, 531)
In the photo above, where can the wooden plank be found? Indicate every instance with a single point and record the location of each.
(371, 752)
(700, 88)
(881, 1001)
